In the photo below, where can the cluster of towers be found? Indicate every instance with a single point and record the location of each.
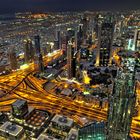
(122, 100)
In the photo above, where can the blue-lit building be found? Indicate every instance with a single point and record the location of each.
(137, 40)
(93, 131)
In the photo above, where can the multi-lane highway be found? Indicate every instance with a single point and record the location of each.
(22, 84)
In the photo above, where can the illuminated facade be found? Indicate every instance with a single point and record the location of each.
(122, 102)
(19, 108)
(85, 22)
(70, 59)
(131, 45)
(137, 40)
(58, 38)
(71, 48)
(28, 51)
(105, 38)
(93, 131)
(79, 36)
(13, 58)
(38, 56)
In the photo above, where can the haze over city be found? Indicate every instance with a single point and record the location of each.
(11, 6)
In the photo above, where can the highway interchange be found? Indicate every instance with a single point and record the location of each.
(21, 84)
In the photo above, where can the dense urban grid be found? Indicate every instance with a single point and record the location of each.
(70, 76)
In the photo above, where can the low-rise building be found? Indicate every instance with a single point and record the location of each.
(12, 131)
(62, 122)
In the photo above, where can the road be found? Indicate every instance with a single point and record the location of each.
(22, 84)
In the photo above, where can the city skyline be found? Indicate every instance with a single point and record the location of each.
(71, 75)
(12, 6)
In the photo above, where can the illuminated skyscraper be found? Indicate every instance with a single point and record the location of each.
(105, 39)
(122, 102)
(79, 36)
(97, 22)
(58, 39)
(28, 50)
(93, 131)
(56, 45)
(13, 58)
(85, 22)
(64, 43)
(70, 34)
(71, 41)
(137, 40)
(70, 53)
(37, 44)
(38, 56)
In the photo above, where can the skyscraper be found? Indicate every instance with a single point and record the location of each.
(93, 131)
(85, 22)
(56, 44)
(38, 56)
(71, 40)
(98, 19)
(79, 36)
(70, 62)
(58, 39)
(137, 40)
(28, 50)
(37, 44)
(13, 58)
(122, 102)
(105, 39)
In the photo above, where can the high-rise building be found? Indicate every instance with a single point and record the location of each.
(28, 50)
(38, 56)
(76, 42)
(70, 53)
(13, 58)
(137, 40)
(56, 45)
(85, 22)
(72, 48)
(37, 44)
(79, 36)
(105, 39)
(70, 34)
(93, 131)
(122, 102)
(64, 43)
(58, 39)
(45, 51)
(97, 22)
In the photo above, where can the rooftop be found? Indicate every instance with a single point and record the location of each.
(63, 121)
(19, 103)
(11, 129)
(45, 137)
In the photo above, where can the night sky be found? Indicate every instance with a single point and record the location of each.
(10, 6)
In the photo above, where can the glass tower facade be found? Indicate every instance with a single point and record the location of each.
(38, 56)
(105, 39)
(93, 131)
(122, 102)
